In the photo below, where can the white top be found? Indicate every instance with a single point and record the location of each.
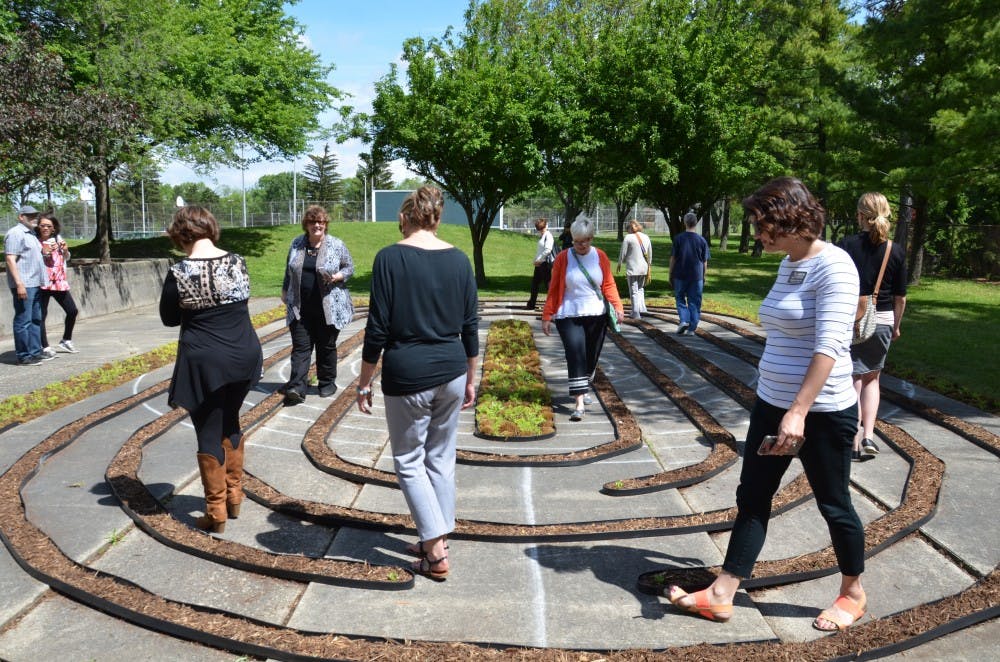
(809, 310)
(633, 247)
(545, 243)
(580, 299)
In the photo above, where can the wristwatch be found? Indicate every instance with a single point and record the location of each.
(364, 391)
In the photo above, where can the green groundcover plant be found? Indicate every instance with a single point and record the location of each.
(513, 399)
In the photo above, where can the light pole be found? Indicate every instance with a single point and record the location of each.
(295, 192)
(364, 196)
(243, 183)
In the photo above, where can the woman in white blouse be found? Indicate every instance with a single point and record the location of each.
(544, 256)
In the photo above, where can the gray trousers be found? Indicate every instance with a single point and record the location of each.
(422, 432)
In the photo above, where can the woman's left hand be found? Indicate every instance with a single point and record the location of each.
(470, 395)
(547, 327)
(620, 314)
(365, 400)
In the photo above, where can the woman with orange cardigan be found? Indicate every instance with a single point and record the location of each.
(581, 283)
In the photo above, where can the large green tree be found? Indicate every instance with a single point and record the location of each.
(210, 80)
(464, 117)
(936, 108)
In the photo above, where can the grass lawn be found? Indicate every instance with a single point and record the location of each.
(947, 332)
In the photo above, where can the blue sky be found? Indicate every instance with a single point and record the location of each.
(360, 39)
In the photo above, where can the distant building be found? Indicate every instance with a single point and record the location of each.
(386, 204)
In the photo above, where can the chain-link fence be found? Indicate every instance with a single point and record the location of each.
(131, 221)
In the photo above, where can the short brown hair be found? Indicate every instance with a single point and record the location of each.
(422, 208)
(192, 223)
(634, 226)
(785, 206)
(541, 223)
(314, 213)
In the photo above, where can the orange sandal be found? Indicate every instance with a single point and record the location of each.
(845, 604)
(701, 607)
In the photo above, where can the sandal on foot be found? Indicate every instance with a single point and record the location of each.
(846, 604)
(701, 607)
(425, 567)
(414, 549)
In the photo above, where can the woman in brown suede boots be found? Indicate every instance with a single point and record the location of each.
(218, 355)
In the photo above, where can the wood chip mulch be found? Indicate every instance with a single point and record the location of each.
(40, 557)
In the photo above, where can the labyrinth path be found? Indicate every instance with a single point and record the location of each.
(563, 543)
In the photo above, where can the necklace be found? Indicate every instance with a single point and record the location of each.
(312, 252)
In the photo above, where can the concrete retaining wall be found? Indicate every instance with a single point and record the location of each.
(98, 289)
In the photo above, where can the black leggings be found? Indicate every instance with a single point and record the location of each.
(826, 459)
(582, 339)
(65, 300)
(219, 417)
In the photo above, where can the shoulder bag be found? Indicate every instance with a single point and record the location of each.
(864, 319)
(609, 309)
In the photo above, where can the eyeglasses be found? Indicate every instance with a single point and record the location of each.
(317, 222)
(46, 227)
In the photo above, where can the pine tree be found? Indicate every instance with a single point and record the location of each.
(322, 183)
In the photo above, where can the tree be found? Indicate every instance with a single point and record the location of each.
(322, 183)
(195, 193)
(935, 106)
(464, 118)
(46, 127)
(274, 188)
(208, 80)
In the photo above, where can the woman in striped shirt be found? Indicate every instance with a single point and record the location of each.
(805, 398)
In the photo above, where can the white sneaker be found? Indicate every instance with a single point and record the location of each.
(48, 353)
(67, 346)
(587, 400)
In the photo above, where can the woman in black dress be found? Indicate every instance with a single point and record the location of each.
(218, 355)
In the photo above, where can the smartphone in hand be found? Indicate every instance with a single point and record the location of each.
(767, 447)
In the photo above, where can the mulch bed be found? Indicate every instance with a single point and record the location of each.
(39, 556)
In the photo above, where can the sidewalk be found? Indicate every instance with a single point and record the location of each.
(100, 340)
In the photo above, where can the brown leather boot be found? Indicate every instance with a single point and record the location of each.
(213, 479)
(234, 476)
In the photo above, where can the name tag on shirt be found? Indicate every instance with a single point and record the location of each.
(797, 277)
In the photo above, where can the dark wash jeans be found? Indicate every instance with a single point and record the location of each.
(826, 458)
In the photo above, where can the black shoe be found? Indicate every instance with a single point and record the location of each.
(31, 360)
(293, 398)
(327, 391)
(856, 456)
(869, 448)
(529, 306)
(681, 328)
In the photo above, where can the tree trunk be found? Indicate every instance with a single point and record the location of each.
(919, 236)
(724, 232)
(102, 210)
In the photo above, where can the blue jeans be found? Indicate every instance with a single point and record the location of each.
(688, 296)
(28, 324)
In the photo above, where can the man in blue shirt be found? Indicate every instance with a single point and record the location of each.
(688, 263)
(26, 273)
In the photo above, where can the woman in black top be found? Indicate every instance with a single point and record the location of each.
(423, 322)
(218, 355)
(318, 303)
(867, 249)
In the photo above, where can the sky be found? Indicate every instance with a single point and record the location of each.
(360, 39)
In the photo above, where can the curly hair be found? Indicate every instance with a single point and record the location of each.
(192, 223)
(422, 208)
(541, 224)
(785, 206)
(314, 213)
(875, 213)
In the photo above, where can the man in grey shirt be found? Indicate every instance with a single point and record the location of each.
(26, 274)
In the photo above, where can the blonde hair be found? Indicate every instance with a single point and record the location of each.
(422, 208)
(634, 226)
(874, 214)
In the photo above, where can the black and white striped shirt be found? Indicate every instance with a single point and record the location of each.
(809, 310)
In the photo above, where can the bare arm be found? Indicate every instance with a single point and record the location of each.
(470, 382)
(898, 306)
(22, 293)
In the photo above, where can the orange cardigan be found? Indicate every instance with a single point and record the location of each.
(557, 285)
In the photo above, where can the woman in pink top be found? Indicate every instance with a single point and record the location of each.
(55, 254)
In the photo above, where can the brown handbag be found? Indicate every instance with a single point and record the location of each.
(864, 318)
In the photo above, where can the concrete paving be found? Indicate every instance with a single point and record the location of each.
(578, 594)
